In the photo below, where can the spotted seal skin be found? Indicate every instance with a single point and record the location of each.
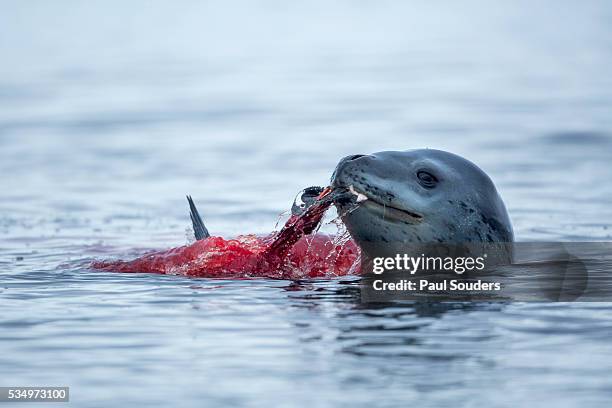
(420, 196)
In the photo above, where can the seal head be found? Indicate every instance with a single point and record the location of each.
(419, 196)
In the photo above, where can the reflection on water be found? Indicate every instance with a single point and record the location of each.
(106, 123)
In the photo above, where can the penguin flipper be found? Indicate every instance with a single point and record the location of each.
(199, 229)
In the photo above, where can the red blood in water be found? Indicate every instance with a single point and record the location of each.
(288, 254)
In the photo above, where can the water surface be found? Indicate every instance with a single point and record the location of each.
(111, 112)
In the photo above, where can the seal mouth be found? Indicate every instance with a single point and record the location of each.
(383, 210)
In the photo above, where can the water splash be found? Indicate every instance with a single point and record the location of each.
(294, 252)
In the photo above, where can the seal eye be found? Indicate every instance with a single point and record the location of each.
(427, 179)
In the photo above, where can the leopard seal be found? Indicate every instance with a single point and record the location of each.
(417, 198)
(422, 196)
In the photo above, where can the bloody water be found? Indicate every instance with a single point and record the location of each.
(290, 253)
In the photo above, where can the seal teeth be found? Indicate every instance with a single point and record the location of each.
(360, 197)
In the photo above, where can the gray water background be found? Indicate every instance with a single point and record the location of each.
(110, 112)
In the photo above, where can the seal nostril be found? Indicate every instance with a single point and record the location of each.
(347, 168)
